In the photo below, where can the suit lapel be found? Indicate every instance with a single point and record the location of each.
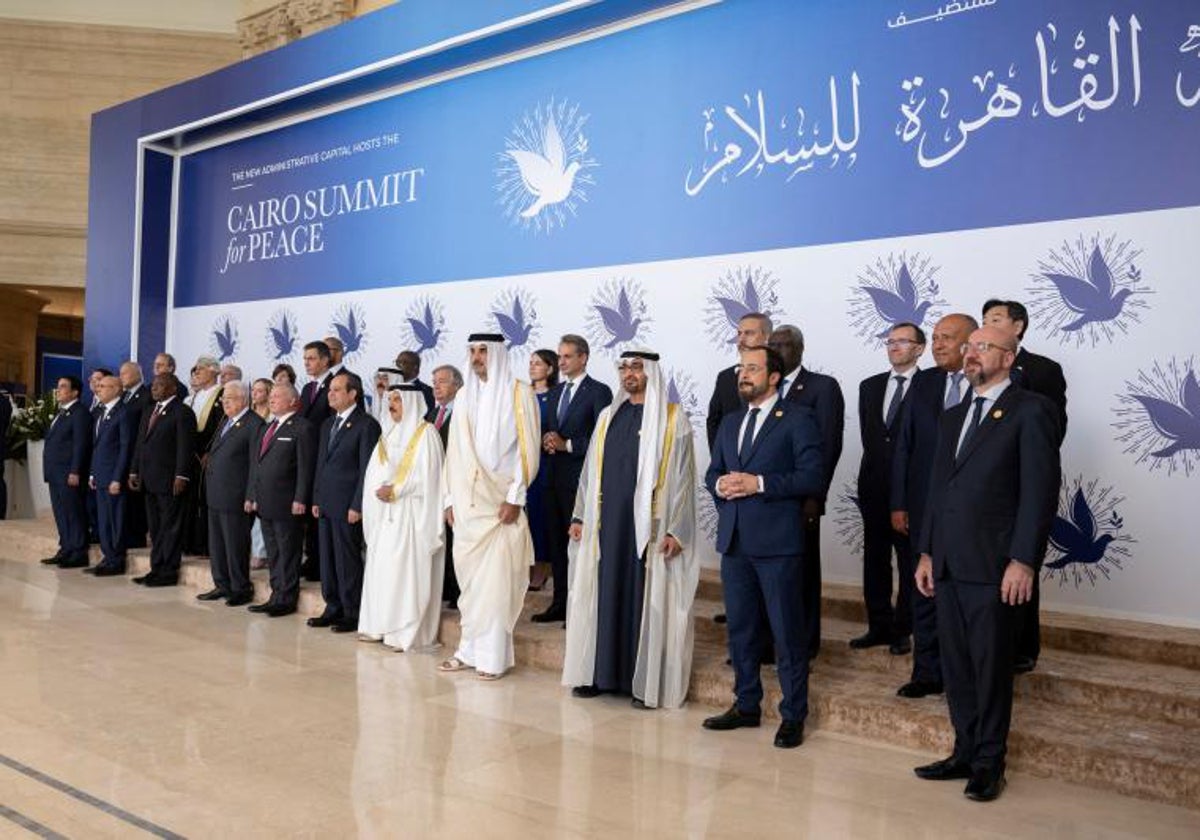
(769, 422)
(987, 423)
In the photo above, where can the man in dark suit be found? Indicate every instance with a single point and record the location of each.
(137, 402)
(575, 404)
(163, 460)
(1042, 376)
(823, 396)
(931, 393)
(227, 471)
(6, 412)
(880, 399)
(113, 437)
(165, 363)
(337, 352)
(446, 381)
(994, 494)
(67, 454)
(279, 489)
(409, 365)
(314, 410)
(766, 460)
(205, 402)
(347, 442)
(753, 331)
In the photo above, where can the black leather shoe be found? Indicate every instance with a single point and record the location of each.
(141, 579)
(165, 580)
(919, 688)
(212, 595)
(551, 615)
(734, 718)
(985, 785)
(322, 621)
(1023, 665)
(239, 600)
(944, 770)
(789, 735)
(79, 563)
(260, 608)
(344, 625)
(277, 610)
(869, 639)
(105, 570)
(720, 618)
(900, 647)
(51, 561)
(585, 692)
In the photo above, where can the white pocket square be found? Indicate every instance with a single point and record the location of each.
(282, 439)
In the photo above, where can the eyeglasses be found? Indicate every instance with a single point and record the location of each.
(900, 342)
(983, 347)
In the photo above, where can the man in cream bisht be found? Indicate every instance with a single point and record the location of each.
(402, 528)
(491, 458)
(634, 568)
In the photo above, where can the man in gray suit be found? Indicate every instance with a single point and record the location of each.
(279, 488)
(227, 469)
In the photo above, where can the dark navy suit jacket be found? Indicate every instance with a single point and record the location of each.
(878, 442)
(996, 500)
(823, 396)
(915, 442)
(563, 468)
(112, 451)
(68, 446)
(787, 454)
(342, 465)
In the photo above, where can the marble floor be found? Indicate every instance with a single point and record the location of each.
(127, 712)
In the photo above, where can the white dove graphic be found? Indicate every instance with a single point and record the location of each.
(545, 177)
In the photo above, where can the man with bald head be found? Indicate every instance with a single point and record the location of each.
(136, 399)
(113, 432)
(932, 392)
(994, 492)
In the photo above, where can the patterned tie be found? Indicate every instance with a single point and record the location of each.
(310, 391)
(441, 417)
(897, 397)
(337, 427)
(563, 403)
(154, 415)
(976, 416)
(953, 396)
(266, 439)
(748, 437)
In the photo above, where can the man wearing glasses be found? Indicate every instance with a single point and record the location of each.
(880, 398)
(993, 495)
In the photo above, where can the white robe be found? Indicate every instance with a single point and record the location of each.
(406, 551)
(664, 657)
(491, 560)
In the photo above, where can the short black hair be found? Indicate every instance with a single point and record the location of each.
(1015, 309)
(321, 347)
(74, 381)
(920, 332)
(353, 382)
(774, 359)
(103, 371)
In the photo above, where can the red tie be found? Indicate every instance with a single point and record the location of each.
(267, 436)
(154, 417)
(441, 417)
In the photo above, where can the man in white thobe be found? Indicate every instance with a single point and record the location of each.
(403, 528)
(634, 568)
(491, 459)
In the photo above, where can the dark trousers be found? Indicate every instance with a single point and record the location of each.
(559, 504)
(312, 549)
(879, 541)
(775, 582)
(3, 493)
(450, 590)
(1029, 626)
(810, 588)
(93, 517)
(135, 519)
(976, 631)
(341, 566)
(70, 517)
(927, 659)
(284, 539)
(164, 512)
(110, 520)
(195, 519)
(229, 550)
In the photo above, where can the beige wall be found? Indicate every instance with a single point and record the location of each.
(53, 76)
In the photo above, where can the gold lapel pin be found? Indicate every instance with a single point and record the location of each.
(778, 413)
(997, 414)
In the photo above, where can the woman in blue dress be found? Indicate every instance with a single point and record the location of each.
(543, 375)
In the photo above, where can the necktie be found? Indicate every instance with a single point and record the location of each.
(310, 391)
(225, 424)
(158, 409)
(783, 386)
(563, 402)
(266, 439)
(953, 396)
(748, 437)
(337, 427)
(976, 416)
(441, 417)
(897, 397)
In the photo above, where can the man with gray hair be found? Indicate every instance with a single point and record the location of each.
(229, 373)
(822, 396)
(227, 469)
(205, 403)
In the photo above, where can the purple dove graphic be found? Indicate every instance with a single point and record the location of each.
(224, 338)
(1087, 540)
(616, 316)
(1178, 423)
(901, 289)
(1158, 417)
(1094, 297)
(901, 305)
(350, 325)
(282, 333)
(735, 295)
(426, 324)
(515, 317)
(1076, 537)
